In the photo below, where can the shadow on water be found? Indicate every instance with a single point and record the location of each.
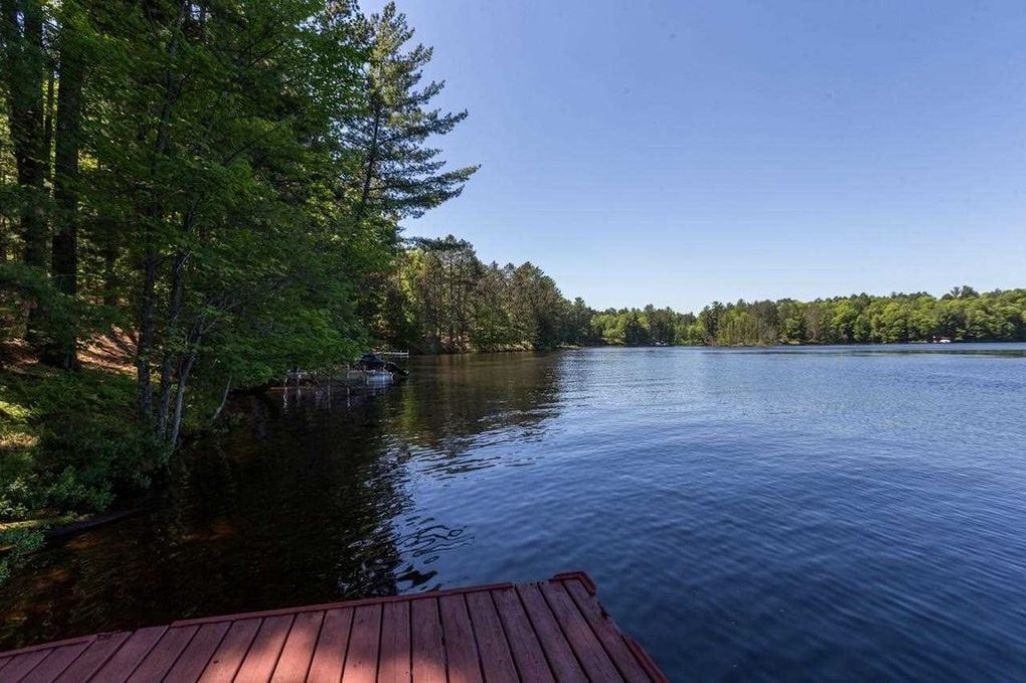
(303, 501)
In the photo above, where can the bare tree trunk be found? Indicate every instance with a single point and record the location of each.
(224, 400)
(183, 381)
(170, 332)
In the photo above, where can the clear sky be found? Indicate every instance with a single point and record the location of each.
(680, 152)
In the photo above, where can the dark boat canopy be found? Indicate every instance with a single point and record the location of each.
(371, 361)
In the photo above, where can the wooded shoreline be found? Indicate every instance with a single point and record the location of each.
(220, 190)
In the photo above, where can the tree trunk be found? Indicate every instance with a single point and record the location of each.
(48, 117)
(224, 400)
(64, 261)
(372, 159)
(152, 214)
(167, 364)
(23, 60)
(183, 381)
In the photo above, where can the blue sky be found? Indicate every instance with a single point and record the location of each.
(680, 152)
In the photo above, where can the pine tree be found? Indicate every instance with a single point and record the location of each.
(397, 175)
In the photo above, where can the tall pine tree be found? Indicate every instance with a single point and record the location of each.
(397, 174)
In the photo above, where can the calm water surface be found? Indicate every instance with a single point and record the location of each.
(844, 513)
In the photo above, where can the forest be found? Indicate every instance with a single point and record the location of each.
(219, 189)
(212, 185)
(440, 298)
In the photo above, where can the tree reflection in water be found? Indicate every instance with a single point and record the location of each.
(303, 500)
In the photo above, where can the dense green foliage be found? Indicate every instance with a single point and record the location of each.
(220, 179)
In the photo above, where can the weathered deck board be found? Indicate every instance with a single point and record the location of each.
(491, 640)
(123, 662)
(55, 663)
(394, 660)
(295, 658)
(263, 652)
(555, 630)
(362, 658)
(22, 665)
(94, 657)
(586, 646)
(229, 654)
(460, 644)
(557, 650)
(523, 640)
(201, 648)
(164, 654)
(329, 656)
(428, 650)
(606, 631)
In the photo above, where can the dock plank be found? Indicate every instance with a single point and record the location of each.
(362, 657)
(59, 659)
(330, 651)
(527, 651)
(501, 633)
(123, 662)
(496, 659)
(95, 656)
(299, 647)
(265, 649)
(198, 653)
(22, 664)
(428, 647)
(162, 657)
(607, 632)
(557, 650)
(229, 654)
(394, 662)
(458, 636)
(582, 639)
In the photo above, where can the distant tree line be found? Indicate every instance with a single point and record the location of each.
(959, 315)
(440, 298)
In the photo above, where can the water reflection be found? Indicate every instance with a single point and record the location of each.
(304, 500)
(748, 514)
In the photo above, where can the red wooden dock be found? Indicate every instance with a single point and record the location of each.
(554, 630)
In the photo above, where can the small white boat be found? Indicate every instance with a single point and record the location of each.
(370, 376)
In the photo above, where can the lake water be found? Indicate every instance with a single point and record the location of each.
(844, 512)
